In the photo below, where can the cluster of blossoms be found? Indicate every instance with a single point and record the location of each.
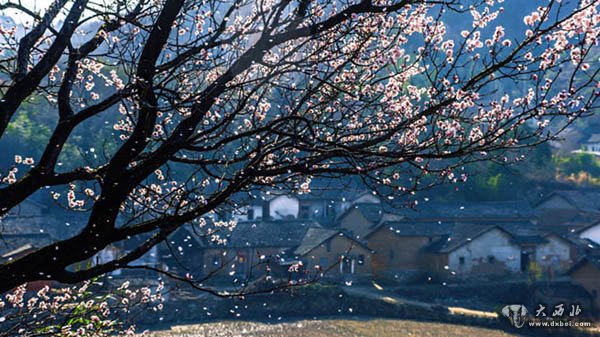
(77, 311)
(220, 101)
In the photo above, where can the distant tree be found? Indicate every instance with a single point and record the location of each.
(213, 98)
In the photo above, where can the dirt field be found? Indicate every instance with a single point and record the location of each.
(328, 328)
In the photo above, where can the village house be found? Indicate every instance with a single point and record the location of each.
(473, 250)
(556, 255)
(490, 211)
(561, 251)
(586, 273)
(251, 245)
(568, 206)
(334, 252)
(322, 207)
(360, 219)
(398, 246)
(592, 144)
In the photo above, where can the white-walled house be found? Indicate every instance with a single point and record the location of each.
(592, 145)
(557, 255)
(270, 207)
(467, 252)
(274, 206)
(591, 232)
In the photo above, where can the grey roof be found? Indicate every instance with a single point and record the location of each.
(461, 234)
(472, 210)
(313, 238)
(590, 225)
(370, 211)
(585, 200)
(594, 260)
(11, 242)
(416, 228)
(277, 233)
(595, 138)
(575, 239)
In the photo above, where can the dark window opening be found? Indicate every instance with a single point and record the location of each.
(361, 259)
(461, 260)
(304, 212)
(491, 259)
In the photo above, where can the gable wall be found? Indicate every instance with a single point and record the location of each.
(554, 256)
(339, 245)
(356, 223)
(588, 277)
(496, 243)
(393, 252)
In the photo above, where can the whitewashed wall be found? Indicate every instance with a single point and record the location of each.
(495, 243)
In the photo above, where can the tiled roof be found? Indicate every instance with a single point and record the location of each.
(461, 234)
(479, 210)
(594, 260)
(585, 200)
(313, 238)
(416, 228)
(372, 212)
(11, 242)
(278, 233)
(595, 138)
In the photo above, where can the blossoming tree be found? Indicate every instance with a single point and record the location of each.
(212, 98)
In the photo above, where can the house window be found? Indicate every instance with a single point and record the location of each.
(251, 213)
(430, 239)
(461, 260)
(361, 259)
(491, 259)
(328, 246)
(391, 254)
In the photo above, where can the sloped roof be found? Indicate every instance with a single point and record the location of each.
(480, 210)
(185, 235)
(17, 251)
(594, 138)
(591, 225)
(11, 242)
(372, 212)
(277, 233)
(585, 200)
(416, 228)
(326, 193)
(574, 239)
(462, 233)
(593, 260)
(313, 238)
